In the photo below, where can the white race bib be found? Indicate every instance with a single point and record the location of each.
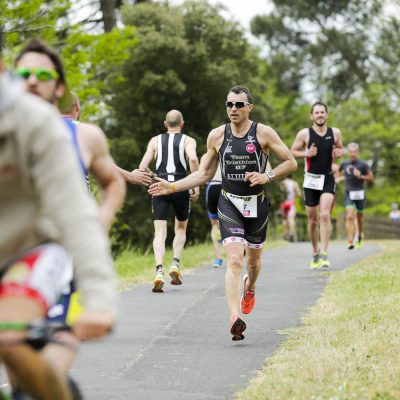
(313, 181)
(247, 205)
(357, 194)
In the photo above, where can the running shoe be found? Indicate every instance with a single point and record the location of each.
(238, 326)
(360, 243)
(158, 282)
(248, 297)
(174, 273)
(314, 264)
(323, 261)
(217, 263)
(350, 246)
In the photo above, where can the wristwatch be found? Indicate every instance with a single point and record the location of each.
(270, 174)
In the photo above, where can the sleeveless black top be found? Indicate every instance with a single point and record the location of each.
(171, 162)
(322, 162)
(240, 155)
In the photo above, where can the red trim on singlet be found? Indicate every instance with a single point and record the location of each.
(30, 258)
(308, 160)
(15, 290)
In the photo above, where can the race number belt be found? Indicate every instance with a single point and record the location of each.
(313, 181)
(357, 194)
(246, 205)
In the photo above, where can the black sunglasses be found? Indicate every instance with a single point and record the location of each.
(237, 104)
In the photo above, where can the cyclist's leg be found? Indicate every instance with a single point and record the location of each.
(30, 371)
(66, 311)
(29, 285)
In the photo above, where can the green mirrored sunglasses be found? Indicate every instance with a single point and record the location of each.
(42, 74)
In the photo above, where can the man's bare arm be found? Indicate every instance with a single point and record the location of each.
(282, 152)
(149, 155)
(103, 169)
(299, 145)
(190, 150)
(137, 176)
(338, 149)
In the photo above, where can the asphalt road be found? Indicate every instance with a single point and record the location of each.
(176, 345)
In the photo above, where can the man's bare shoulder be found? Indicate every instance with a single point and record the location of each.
(336, 131)
(216, 133)
(93, 137)
(264, 129)
(91, 131)
(303, 133)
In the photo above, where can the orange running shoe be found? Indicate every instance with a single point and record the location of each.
(174, 273)
(248, 297)
(158, 282)
(238, 326)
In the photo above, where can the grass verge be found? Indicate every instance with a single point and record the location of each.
(134, 266)
(348, 346)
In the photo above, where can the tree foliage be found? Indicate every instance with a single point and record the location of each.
(187, 58)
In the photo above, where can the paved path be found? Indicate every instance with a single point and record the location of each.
(176, 345)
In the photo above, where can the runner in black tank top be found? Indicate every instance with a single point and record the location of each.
(321, 163)
(237, 156)
(318, 145)
(241, 148)
(174, 152)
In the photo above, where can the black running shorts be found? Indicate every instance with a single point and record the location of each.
(179, 201)
(311, 196)
(234, 227)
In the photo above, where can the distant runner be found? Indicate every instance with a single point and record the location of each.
(319, 145)
(288, 208)
(355, 173)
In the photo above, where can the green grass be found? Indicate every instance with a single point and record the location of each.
(134, 266)
(348, 346)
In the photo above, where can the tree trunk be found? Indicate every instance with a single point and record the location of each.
(107, 8)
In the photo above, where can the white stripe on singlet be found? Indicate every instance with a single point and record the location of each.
(182, 151)
(170, 160)
(159, 151)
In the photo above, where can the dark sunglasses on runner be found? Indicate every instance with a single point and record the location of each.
(42, 74)
(237, 104)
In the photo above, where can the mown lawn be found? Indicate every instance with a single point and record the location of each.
(348, 347)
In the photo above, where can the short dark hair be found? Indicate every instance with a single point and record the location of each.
(242, 89)
(38, 46)
(319, 103)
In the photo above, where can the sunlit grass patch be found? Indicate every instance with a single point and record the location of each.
(348, 346)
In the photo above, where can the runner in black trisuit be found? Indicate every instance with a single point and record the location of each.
(242, 149)
(319, 145)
